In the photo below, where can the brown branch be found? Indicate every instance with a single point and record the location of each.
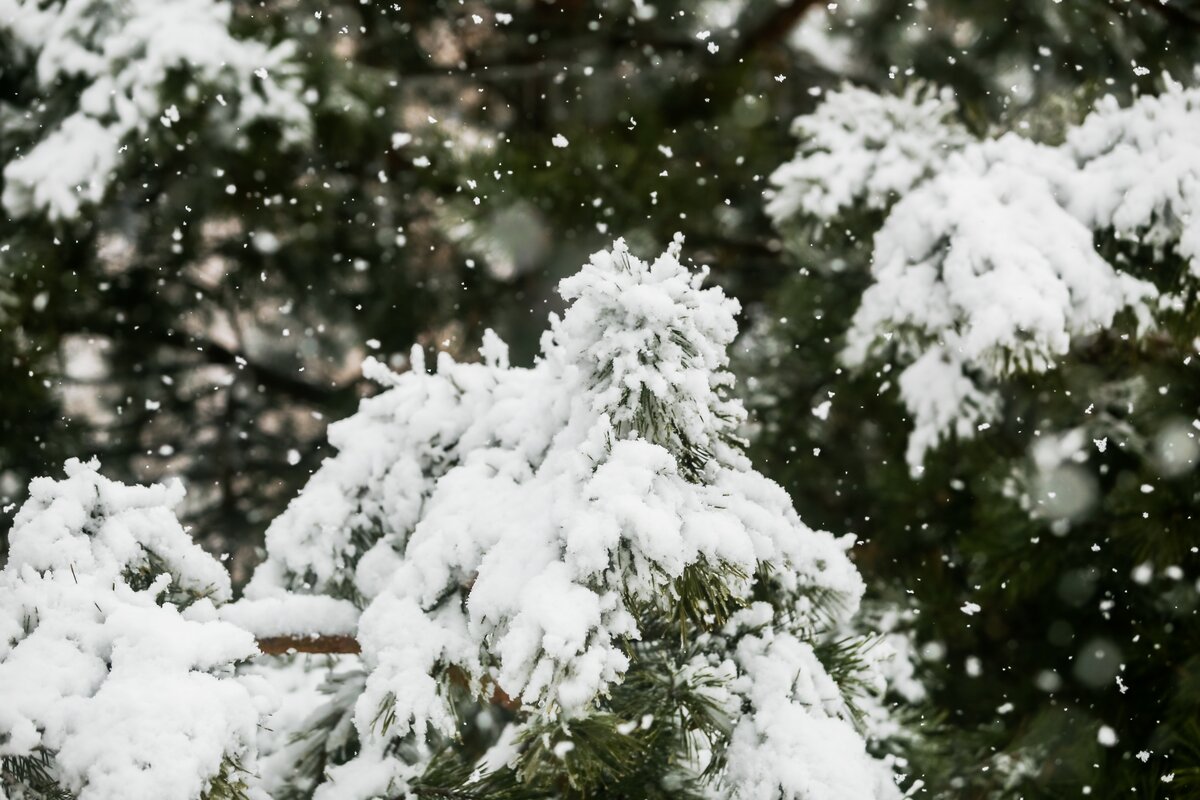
(284, 645)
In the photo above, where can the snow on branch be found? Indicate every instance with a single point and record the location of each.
(982, 270)
(986, 263)
(296, 623)
(1139, 171)
(110, 65)
(563, 546)
(112, 670)
(862, 147)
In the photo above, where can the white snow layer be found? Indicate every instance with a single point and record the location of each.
(1139, 170)
(293, 615)
(794, 743)
(131, 699)
(122, 54)
(986, 263)
(499, 520)
(862, 147)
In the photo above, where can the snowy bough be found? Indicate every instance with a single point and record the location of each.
(107, 688)
(90, 83)
(994, 257)
(566, 581)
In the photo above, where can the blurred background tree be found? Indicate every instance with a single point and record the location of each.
(1052, 556)
(205, 313)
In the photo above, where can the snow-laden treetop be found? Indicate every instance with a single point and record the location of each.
(987, 261)
(519, 526)
(559, 539)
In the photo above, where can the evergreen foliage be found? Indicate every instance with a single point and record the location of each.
(577, 587)
(1044, 531)
(201, 305)
(115, 678)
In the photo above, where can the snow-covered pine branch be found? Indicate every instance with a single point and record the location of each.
(986, 262)
(577, 554)
(116, 679)
(1139, 172)
(102, 77)
(859, 147)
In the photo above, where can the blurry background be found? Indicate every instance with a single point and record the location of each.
(206, 317)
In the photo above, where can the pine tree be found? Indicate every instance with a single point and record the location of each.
(175, 327)
(573, 584)
(571, 581)
(1031, 307)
